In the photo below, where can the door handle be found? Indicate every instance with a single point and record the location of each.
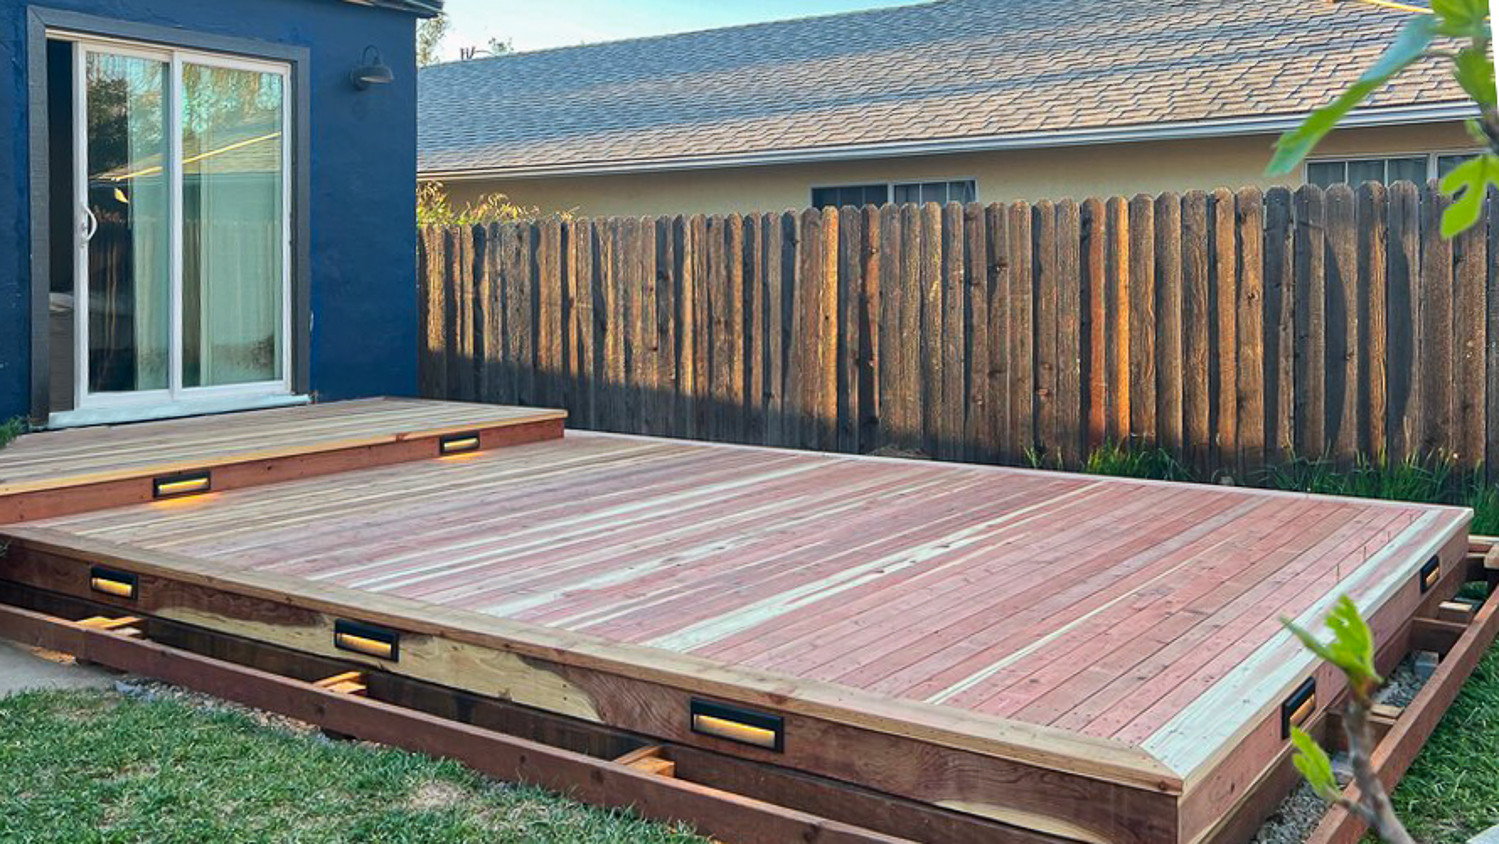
(90, 224)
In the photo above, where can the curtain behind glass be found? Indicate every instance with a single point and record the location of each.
(232, 225)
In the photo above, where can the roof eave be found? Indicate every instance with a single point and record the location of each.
(1384, 116)
(420, 8)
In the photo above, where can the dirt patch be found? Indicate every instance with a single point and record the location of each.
(437, 794)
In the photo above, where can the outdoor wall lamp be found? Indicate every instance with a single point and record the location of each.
(371, 71)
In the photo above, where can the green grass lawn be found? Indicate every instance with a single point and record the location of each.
(91, 766)
(96, 766)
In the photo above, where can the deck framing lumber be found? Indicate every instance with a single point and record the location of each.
(713, 811)
(784, 787)
(1399, 746)
(500, 577)
(1394, 754)
(1070, 785)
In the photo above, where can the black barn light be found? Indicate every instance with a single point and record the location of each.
(371, 71)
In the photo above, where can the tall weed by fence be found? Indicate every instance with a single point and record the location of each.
(1229, 328)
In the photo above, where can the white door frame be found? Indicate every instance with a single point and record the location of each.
(176, 400)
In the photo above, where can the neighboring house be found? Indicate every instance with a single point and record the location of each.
(201, 209)
(948, 100)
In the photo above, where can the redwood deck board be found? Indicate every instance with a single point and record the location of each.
(73, 457)
(1105, 606)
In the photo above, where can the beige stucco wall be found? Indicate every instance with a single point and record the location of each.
(1079, 171)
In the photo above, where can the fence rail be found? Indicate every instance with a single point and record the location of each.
(1232, 328)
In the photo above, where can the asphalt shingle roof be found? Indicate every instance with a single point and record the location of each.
(942, 70)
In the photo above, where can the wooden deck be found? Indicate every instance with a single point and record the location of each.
(1115, 643)
(86, 468)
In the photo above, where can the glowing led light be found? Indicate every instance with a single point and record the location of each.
(458, 443)
(173, 486)
(758, 729)
(116, 583)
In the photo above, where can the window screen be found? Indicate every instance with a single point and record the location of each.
(856, 195)
(1405, 170)
(1447, 163)
(1410, 168)
(1326, 173)
(964, 190)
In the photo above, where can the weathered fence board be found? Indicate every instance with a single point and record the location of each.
(1233, 329)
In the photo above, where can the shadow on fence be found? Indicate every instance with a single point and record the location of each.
(1229, 328)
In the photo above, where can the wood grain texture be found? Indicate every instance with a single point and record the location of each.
(598, 781)
(873, 574)
(1142, 320)
(1099, 295)
(1198, 316)
(1343, 325)
(81, 457)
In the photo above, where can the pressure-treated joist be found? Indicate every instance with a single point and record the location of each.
(742, 780)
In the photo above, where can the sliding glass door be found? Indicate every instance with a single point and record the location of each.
(181, 280)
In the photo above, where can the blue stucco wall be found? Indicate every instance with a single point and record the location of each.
(363, 177)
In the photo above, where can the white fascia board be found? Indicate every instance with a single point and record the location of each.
(1390, 116)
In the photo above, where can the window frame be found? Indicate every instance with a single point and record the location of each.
(949, 182)
(43, 25)
(890, 187)
(1431, 157)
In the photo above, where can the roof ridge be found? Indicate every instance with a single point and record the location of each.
(666, 36)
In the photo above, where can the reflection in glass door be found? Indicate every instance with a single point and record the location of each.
(232, 192)
(124, 318)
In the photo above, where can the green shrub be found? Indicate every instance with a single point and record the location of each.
(1434, 479)
(11, 429)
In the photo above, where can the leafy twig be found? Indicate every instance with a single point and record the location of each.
(1352, 652)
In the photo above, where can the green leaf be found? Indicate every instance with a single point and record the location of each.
(1468, 183)
(1352, 645)
(1311, 760)
(1475, 72)
(1461, 17)
(1295, 145)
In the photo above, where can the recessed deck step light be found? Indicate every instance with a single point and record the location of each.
(366, 639)
(459, 443)
(744, 726)
(110, 582)
(186, 483)
(1431, 574)
(1299, 707)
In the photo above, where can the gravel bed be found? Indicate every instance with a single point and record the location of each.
(1301, 811)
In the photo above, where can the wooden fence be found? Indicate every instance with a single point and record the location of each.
(1231, 328)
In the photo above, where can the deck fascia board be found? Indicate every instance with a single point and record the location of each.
(1091, 757)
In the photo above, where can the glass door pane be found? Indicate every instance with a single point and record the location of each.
(233, 241)
(127, 260)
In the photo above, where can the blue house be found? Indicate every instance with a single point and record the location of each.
(205, 205)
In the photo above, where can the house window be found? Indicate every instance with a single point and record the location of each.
(1447, 163)
(962, 190)
(1403, 168)
(856, 195)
